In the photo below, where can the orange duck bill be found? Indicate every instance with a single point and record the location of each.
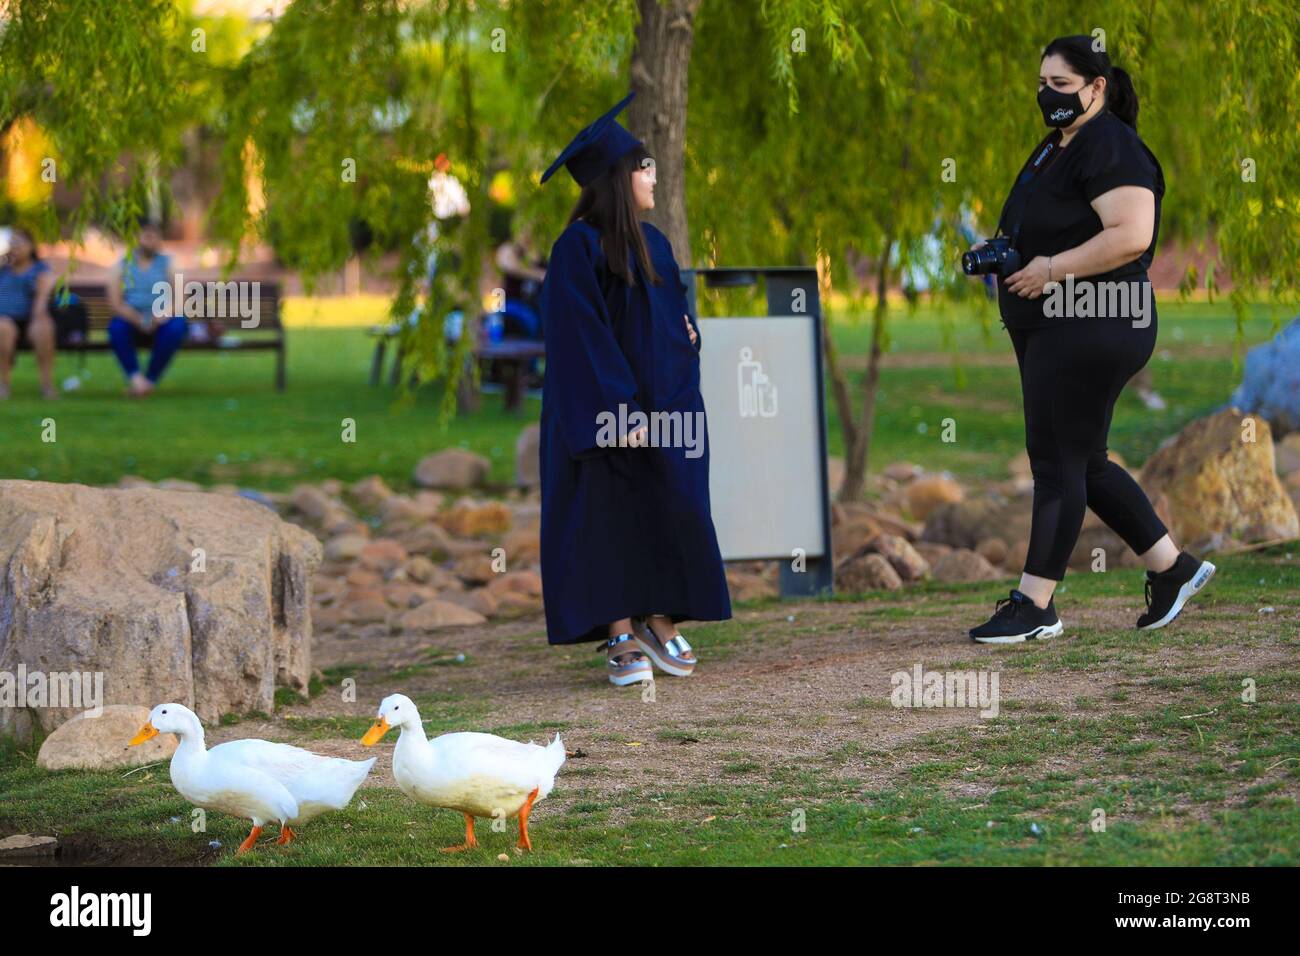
(147, 732)
(376, 732)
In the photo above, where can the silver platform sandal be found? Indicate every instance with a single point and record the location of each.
(628, 665)
(667, 656)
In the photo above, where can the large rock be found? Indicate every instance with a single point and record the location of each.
(102, 743)
(452, 468)
(1270, 385)
(1220, 487)
(108, 581)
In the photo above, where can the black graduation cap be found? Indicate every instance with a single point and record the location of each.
(596, 148)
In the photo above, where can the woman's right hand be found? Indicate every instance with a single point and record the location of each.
(637, 438)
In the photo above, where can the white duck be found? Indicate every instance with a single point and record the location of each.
(255, 779)
(481, 775)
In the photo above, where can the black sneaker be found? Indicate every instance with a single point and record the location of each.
(1168, 591)
(1017, 619)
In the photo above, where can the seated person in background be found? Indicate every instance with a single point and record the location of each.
(25, 286)
(131, 295)
(522, 275)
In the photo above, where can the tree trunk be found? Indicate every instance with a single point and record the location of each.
(658, 114)
(857, 452)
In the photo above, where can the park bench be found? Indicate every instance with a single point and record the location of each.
(513, 357)
(268, 336)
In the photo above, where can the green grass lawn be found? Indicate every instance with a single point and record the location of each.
(1184, 771)
(1181, 769)
(218, 419)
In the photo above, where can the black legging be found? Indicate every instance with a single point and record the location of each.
(1071, 373)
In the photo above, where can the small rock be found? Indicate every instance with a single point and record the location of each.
(964, 565)
(313, 502)
(371, 491)
(901, 471)
(471, 520)
(479, 600)
(346, 547)
(452, 468)
(905, 559)
(383, 555)
(26, 845)
(929, 492)
(867, 572)
(435, 614)
(993, 550)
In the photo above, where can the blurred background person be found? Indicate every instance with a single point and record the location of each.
(25, 285)
(131, 295)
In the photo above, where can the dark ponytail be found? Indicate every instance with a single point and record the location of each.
(1121, 98)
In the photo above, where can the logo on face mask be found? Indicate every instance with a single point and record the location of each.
(1059, 109)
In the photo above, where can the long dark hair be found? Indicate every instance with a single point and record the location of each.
(608, 204)
(1121, 98)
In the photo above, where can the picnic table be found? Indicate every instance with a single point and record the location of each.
(514, 357)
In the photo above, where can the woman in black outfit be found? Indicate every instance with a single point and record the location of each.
(1084, 215)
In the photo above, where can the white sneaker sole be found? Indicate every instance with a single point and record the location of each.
(1037, 634)
(1197, 581)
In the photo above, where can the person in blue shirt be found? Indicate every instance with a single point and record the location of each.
(25, 286)
(132, 295)
(628, 543)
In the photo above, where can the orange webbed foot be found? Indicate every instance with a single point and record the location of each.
(469, 844)
(251, 842)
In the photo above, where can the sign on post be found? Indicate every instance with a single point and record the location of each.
(761, 378)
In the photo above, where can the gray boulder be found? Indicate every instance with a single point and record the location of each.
(1270, 386)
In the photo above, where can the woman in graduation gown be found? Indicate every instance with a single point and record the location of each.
(628, 544)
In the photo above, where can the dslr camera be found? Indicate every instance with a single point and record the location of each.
(996, 256)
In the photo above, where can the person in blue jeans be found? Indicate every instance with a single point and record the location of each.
(25, 285)
(131, 294)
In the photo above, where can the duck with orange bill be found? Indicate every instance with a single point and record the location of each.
(258, 780)
(479, 775)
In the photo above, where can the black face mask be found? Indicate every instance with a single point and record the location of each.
(1060, 109)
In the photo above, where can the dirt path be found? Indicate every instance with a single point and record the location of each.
(803, 684)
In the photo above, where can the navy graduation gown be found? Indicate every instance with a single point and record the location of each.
(625, 532)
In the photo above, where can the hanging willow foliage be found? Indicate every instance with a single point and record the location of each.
(818, 130)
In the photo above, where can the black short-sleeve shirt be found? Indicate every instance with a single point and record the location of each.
(1104, 154)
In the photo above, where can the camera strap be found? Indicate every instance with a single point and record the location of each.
(1023, 187)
